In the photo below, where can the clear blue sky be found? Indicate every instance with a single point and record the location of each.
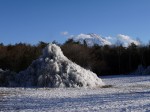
(32, 21)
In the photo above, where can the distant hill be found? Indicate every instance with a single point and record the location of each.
(91, 39)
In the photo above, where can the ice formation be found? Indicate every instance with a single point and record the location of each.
(53, 69)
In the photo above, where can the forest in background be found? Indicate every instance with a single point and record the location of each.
(103, 60)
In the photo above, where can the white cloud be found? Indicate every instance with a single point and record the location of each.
(64, 33)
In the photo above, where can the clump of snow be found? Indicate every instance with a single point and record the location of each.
(1, 70)
(53, 69)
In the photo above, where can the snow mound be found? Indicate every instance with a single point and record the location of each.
(53, 69)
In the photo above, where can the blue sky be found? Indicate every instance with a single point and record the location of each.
(32, 21)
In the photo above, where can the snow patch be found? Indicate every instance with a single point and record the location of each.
(53, 69)
(128, 94)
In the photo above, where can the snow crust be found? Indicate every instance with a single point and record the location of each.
(53, 69)
(127, 94)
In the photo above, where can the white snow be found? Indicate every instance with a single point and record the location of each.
(127, 40)
(91, 39)
(53, 69)
(1, 70)
(128, 94)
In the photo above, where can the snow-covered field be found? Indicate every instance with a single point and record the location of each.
(127, 94)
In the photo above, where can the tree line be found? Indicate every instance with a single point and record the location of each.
(103, 60)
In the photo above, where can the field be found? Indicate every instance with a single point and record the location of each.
(124, 94)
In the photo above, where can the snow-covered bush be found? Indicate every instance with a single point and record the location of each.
(53, 69)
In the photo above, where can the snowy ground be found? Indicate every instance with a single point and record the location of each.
(127, 94)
